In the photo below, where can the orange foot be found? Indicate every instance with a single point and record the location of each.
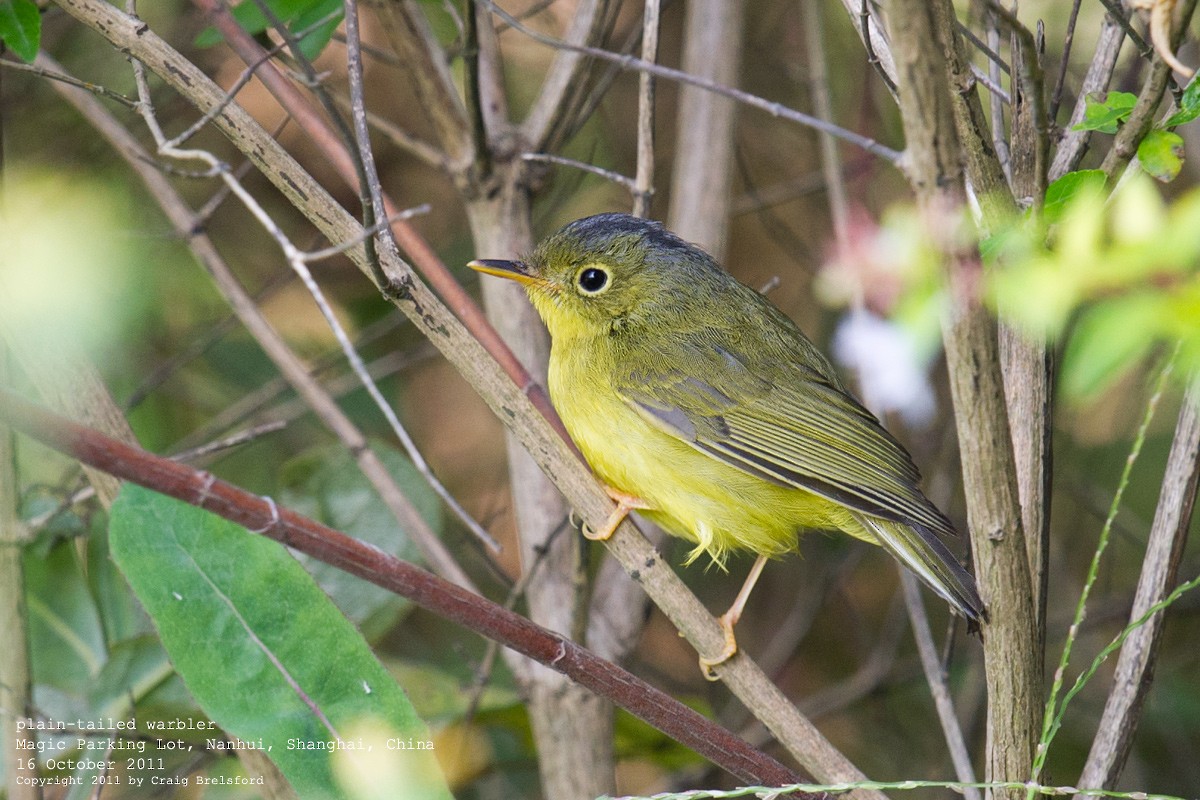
(625, 504)
(727, 621)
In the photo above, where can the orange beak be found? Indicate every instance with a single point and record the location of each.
(517, 271)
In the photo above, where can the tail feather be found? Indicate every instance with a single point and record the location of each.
(919, 549)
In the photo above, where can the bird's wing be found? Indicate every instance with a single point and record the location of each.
(798, 428)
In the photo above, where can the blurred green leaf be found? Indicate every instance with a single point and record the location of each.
(1104, 115)
(297, 16)
(21, 27)
(66, 640)
(326, 484)
(1189, 106)
(1060, 193)
(1109, 338)
(1161, 154)
(261, 648)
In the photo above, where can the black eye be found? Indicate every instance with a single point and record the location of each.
(592, 280)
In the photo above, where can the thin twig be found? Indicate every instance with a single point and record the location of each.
(643, 191)
(94, 88)
(422, 255)
(935, 677)
(431, 547)
(1068, 40)
(1074, 143)
(999, 132)
(623, 181)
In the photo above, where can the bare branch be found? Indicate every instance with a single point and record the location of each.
(644, 185)
(929, 111)
(1164, 549)
(1073, 144)
(874, 39)
(1141, 119)
(704, 141)
(936, 678)
(818, 76)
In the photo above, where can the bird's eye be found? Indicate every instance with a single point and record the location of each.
(592, 280)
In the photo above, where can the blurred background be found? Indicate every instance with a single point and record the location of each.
(93, 260)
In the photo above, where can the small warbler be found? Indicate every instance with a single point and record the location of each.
(703, 406)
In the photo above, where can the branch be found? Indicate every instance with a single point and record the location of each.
(365, 561)
(818, 80)
(703, 170)
(989, 473)
(644, 180)
(333, 151)
(1164, 549)
(1073, 144)
(935, 677)
(874, 39)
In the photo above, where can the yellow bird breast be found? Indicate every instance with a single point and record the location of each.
(690, 494)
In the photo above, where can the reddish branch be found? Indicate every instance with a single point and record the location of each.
(423, 588)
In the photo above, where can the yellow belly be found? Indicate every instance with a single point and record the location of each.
(691, 494)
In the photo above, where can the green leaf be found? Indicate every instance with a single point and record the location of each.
(1108, 339)
(264, 652)
(314, 41)
(1104, 115)
(296, 16)
(66, 640)
(1189, 106)
(1060, 193)
(326, 485)
(1161, 154)
(21, 27)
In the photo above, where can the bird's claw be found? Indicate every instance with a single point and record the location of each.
(727, 652)
(625, 504)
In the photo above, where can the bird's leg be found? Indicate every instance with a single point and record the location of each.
(625, 504)
(730, 618)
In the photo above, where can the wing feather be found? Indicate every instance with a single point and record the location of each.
(788, 423)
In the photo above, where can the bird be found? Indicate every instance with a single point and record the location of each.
(703, 407)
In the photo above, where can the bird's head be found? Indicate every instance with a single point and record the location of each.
(611, 272)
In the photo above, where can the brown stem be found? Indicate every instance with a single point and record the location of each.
(972, 354)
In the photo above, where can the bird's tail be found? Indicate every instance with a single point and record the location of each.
(919, 549)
